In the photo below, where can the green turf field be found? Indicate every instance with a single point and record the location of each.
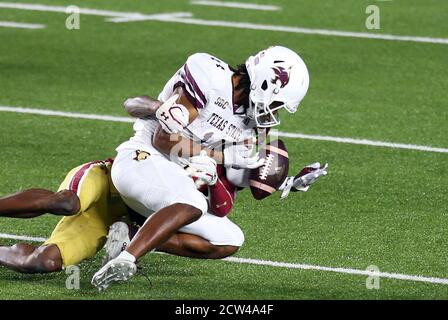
(378, 206)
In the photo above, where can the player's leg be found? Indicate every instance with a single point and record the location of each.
(35, 202)
(155, 186)
(81, 236)
(151, 184)
(30, 259)
(180, 244)
(161, 226)
(193, 246)
(76, 237)
(210, 237)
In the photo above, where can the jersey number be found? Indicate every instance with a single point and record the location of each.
(219, 63)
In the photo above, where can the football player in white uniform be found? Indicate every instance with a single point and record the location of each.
(205, 104)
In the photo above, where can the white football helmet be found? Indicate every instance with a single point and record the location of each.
(278, 79)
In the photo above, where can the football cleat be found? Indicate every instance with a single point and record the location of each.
(115, 270)
(117, 240)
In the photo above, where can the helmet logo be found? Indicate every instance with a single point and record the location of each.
(282, 75)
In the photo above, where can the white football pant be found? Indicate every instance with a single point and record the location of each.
(153, 183)
(216, 230)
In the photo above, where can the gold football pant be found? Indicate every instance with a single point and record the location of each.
(82, 235)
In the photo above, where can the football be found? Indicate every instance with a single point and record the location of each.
(266, 179)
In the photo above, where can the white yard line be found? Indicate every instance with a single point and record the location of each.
(292, 29)
(114, 16)
(186, 18)
(367, 273)
(366, 142)
(158, 17)
(300, 266)
(75, 115)
(22, 238)
(237, 5)
(19, 25)
(62, 9)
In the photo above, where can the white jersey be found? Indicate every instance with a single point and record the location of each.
(207, 83)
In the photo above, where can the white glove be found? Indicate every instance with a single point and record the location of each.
(202, 169)
(237, 157)
(172, 116)
(302, 181)
(142, 107)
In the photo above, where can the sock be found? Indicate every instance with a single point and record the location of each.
(126, 256)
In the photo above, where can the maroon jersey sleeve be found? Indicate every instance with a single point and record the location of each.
(222, 195)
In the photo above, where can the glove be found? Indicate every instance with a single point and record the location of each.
(172, 116)
(237, 156)
(142, 107)
(202, 169)
(304, 179)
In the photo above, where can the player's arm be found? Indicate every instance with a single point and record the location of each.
(141, 107)
(204, 171)
(168, 142)
(174, 115)
(145, 106)
(181, 146)
(185, 102)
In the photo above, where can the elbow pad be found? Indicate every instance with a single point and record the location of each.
(173, 117)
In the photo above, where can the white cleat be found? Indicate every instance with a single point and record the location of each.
(117, 240)
(114, 271)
